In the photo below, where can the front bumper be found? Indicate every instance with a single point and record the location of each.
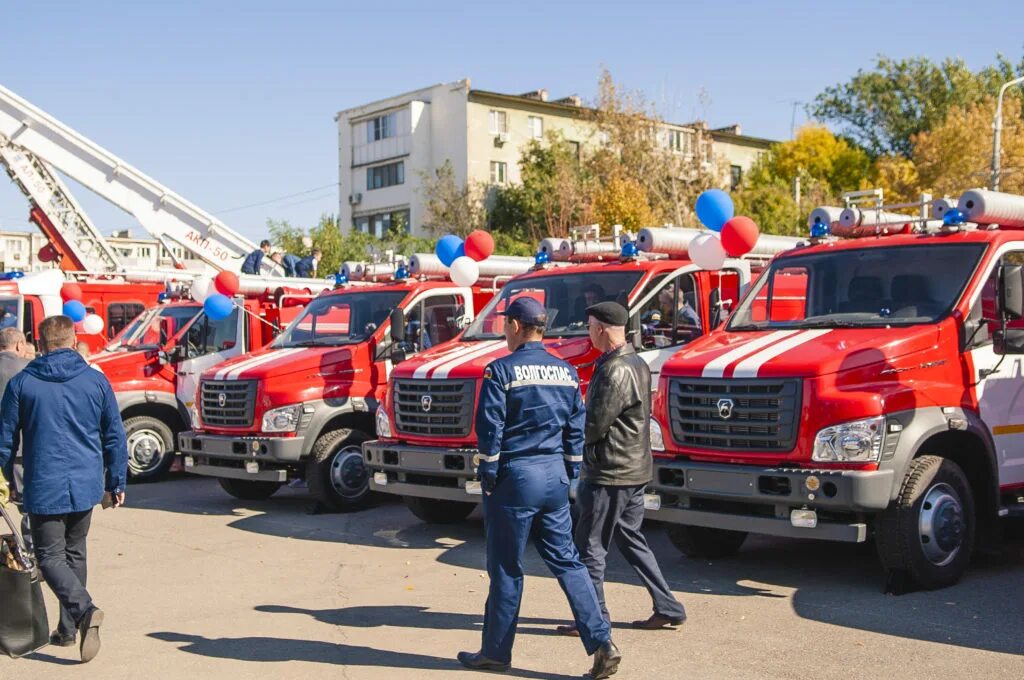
(420, 471)
(760, 500)
(252, 458)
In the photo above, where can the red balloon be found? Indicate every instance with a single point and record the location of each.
(47, 254)
(739, 235)
(226, 283)
(70, 291)
(479, 245)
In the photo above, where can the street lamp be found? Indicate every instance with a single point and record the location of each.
(997, 128)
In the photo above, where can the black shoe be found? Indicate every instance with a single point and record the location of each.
(569, 630)
(57, 639)
(606, 661)
(659, 622)
(89, 629)
(478, 661)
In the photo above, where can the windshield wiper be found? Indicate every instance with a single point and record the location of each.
(748, 327)
(317, 342)
(836, 323)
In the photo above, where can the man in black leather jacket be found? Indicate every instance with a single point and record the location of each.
(617, 466)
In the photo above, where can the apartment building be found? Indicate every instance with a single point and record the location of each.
(19, 252)
(384, 147)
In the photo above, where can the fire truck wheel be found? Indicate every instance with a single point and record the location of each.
(434, 511)
(928, 531)
(703, 542)
(336, 473)
(249, 490)
(150, 448)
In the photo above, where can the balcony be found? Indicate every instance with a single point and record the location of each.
(384, 149)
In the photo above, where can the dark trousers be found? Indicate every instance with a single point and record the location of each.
(533, 493)
(616, 513)
(60, 550)
(17, 484)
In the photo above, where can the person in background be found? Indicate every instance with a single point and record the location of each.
(253, 261)
(617, 466)
(12, 361)
(306, 267)
(74, 449)
(30, 351)
(83, 349)
(288, 261)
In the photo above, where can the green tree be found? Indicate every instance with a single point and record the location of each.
(772, 207)
(883, 108)
(451, 208)
(818, 155)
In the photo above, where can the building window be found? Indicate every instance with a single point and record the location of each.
(499, 172)
(14, 245)
(603, 138)
(680, 141)
(735, 177)
(575, 146)
(385, 175)
(536, 124)
(144, 251)
(381, 127)
(498, 122)
(382, 223)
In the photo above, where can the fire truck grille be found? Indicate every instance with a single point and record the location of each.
(734, 415)
(434, 408)
(228, 403)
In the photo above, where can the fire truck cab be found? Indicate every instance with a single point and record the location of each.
(865, 387)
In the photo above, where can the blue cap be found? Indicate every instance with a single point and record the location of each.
(527, 310)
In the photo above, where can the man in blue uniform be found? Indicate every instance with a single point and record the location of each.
(529, 425)
(306, 267)
(253, 261)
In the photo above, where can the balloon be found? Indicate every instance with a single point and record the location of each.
(226, 283)
(479, 245)
(201, 287)
(47, 254)
(714, 208)
(74, 310)
(218, 307)
(70, 291)
(465, 271)
(739, 235)
(706, 252)
(93, 324)
(448, 249)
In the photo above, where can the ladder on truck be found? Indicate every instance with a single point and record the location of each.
(45, 142)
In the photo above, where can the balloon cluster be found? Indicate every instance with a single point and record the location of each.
(461, 257)
(730, 236)
(74, 309)
(215, 294)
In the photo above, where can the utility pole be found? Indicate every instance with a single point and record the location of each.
(997, 129)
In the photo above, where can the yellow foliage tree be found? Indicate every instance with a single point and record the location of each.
(957, 154)
(818, 154)
(898, 178)
(622, 201)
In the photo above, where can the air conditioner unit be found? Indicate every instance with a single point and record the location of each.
(504, 138)
(17, 256)
(355, 199)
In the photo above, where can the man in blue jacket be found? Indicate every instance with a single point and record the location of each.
(254, 260)
(306, 267)
(529, 425)
(74, 450)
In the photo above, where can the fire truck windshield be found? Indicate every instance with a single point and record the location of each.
(154, 327)
(566, 297)
(344, 319)
(868, 287)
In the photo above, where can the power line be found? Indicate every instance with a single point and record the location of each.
(278, 199)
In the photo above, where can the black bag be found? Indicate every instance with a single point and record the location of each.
(23, 624)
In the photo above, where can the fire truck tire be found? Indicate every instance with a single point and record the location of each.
(336, 473)
(249, 490)
(703, 542)
(150, 448)
(433, 511)
(928, 532)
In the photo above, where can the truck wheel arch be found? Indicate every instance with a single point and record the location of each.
(165, 413)
(352, 420)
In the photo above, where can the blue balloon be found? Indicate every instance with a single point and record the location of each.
(449, 248)
(218, 307)
(74, 310)
(714, 208)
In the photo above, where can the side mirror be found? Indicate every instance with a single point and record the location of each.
(397, 325)
(1012, 292)
(633, 332)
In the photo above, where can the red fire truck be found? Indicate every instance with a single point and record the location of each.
(426, 422)
(882, 398)
(301, 408)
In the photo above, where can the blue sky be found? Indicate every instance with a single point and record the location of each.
(232, 103)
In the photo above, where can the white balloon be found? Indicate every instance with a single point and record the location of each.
(202, 286)
(92, 324)
(707, 252)
(465, 271)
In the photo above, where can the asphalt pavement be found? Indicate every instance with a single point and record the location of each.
(198, 585)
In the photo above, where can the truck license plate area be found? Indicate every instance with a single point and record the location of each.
(731, 483)
(420, 460)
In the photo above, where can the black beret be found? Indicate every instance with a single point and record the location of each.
(611, 313)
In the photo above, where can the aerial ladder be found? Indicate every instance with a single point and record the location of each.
(33, 144)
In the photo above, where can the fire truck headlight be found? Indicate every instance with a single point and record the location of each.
(383, 423)
(858, 441)
(657, 437)
(284, 419)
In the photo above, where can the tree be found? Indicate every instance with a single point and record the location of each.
(772, 207)
(451, 208)
(820, 156)
(622, 201)
(898, 179)
(882, 109)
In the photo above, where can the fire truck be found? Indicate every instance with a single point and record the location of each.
(868, 386)
(301, 408)
(427, 445)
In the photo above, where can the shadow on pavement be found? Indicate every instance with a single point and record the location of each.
(269, 649)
